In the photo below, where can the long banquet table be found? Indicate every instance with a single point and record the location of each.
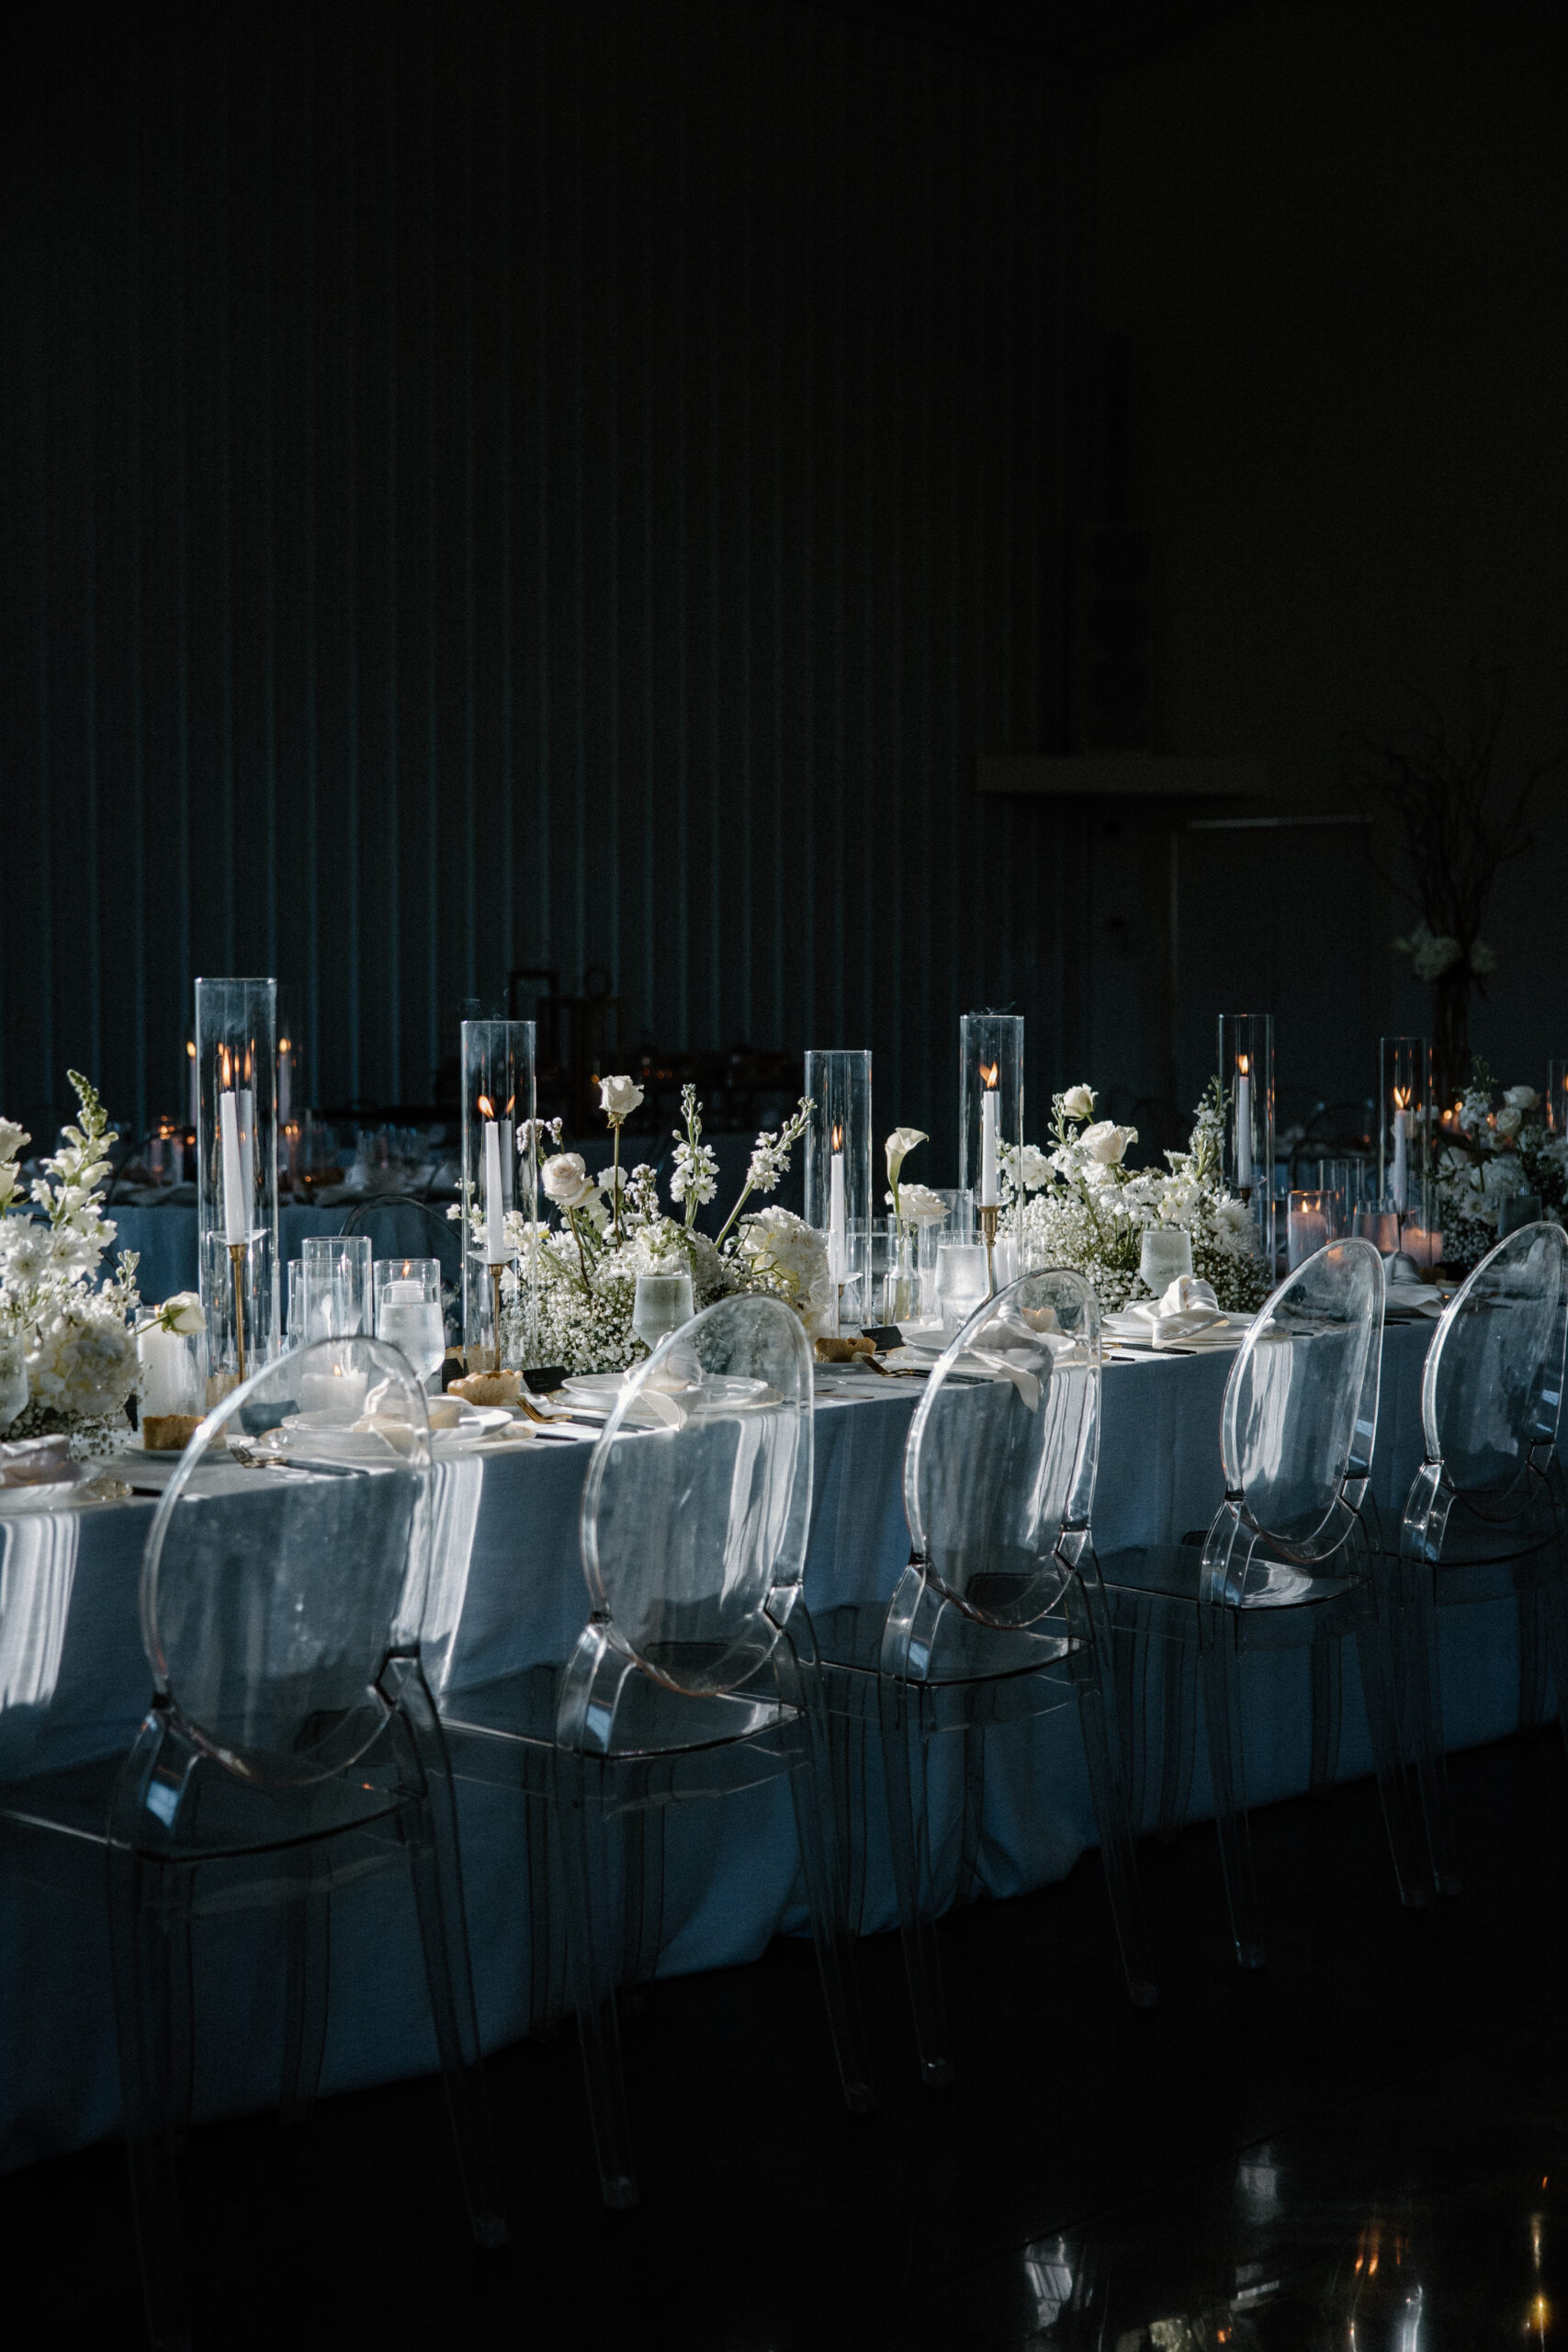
(507, 1592)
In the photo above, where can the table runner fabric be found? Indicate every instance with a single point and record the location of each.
(507, 1591)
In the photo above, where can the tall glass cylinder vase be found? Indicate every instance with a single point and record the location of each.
(498, 1176)
(837, 1172)
(1557, 1097)
(236, 1175)
(1404, 1130)
(991, 1110)
(1246, 1124)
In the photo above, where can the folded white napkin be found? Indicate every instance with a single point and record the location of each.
(1003, 1367)
(1188, 1307)
(662, 1405)
(38, 1462)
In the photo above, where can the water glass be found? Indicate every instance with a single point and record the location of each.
(662, 1305)
(295, 1329)
(337, 1285)
(1166, 1255)
(958, 1225)
(408, 1313)
(12, 1377)
(962, 1280)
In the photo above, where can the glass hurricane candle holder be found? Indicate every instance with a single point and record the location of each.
(500, 1177)
(1246, 1130)
(1556, 1105)
(1405, 1129)
(337, 1285)
(838, 1169)
(236, 1174)
(990, 1103)
(1311, 1222)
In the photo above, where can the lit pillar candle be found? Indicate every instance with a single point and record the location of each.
(991, 1112)
(496, 1250)
(285, 1082)
(508, 1173)
(1243, 1120)
(837, 1250)
(235, 1218)
(1401, 1148)
(195, 1090)
(248, 1145)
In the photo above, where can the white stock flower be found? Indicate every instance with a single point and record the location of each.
(182, 1314)
(12, 1138)
(899, 1145)
(618, 1097)
(1034, 1167)
(1105, 1143)
(697, 1172)
(566, 1180)
(1521, 1097)
(1077, 1103)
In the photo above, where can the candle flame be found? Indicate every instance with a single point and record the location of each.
(191, 1049)
(1243, 1065)
(487, 1106)
(283, 1045)
(227, 1069)
(510, 1100)
(1402, 1098)
(988, 1073)
(838, 1139)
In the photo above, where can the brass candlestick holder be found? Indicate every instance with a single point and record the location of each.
(238, 1252)
(988, 1227)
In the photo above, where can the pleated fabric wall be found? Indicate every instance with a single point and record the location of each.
(555, 483)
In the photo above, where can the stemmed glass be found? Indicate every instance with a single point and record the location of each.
(664, 1303)
(408, 1311)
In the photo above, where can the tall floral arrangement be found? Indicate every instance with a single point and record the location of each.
(577, 1276)
(1080, 1206)
(1494, 1145)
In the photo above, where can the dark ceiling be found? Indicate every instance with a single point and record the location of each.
(1086, 35)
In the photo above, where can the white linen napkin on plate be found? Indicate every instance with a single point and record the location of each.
(39, 1461)
(1188, 1307)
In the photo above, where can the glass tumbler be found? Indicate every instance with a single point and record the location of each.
(337, 1285)
(962, 1281)
(408, 1311)
(662, 1305)
(1165, 1257)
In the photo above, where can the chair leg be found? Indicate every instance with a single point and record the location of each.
(1532, 1657)
(1327, 1695)
(974, 1742)
(1180, 1649)
(846, 1753)
(1423, 1719)
(435, 1867)
(904, 1769)
(1376, 1644)
(810, 1783)
(1218, 1636)
(593, 1954)
(1117, 1849)
(546, 1962)
(309, 1978)
(147, 1961)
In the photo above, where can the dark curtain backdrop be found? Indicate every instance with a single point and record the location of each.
(569, 484)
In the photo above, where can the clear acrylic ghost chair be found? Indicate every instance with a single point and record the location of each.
(1001, 1614)
(697, 1673)
(1290, 1559)
(1485, 1514)
(292, 1745)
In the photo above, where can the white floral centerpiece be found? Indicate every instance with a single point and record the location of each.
(1080, 1206)
(76, 1341)
(1489, 1150)
(578, 1277)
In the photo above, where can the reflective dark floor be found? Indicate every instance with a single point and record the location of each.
(1365, 2146)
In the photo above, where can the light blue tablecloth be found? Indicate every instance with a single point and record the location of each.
(507, 1592)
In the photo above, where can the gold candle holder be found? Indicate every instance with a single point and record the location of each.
(988, 1227)
(237, 1255)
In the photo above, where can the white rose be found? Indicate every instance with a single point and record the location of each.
(1077, 1103)
(182, 1314)
(618, 1098)
(1510, 1120)
(1521, 1097)
(921, 1205)
(1105, 1142)
(566, 1180)
(900, 1143)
